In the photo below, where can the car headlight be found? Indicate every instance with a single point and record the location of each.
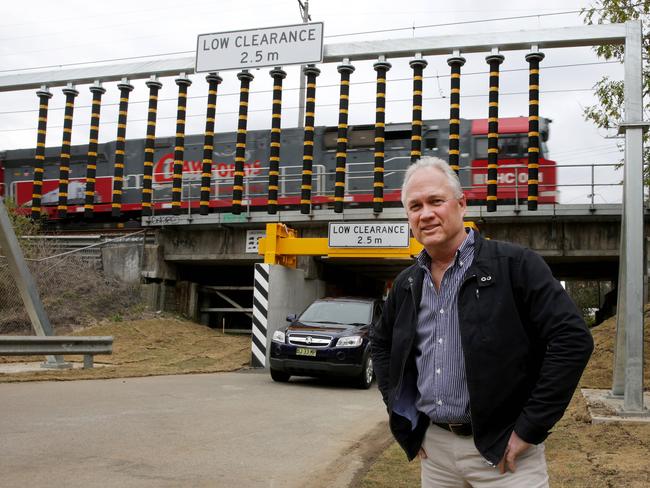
(349, 341)
(278, 336)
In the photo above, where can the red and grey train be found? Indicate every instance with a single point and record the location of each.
(17, 168)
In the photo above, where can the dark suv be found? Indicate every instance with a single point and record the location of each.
(330, 338)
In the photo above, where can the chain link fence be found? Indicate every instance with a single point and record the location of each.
(73, 286)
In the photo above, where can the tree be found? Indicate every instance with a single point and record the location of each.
(609, 112)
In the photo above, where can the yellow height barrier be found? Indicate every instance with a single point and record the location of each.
(282, 246)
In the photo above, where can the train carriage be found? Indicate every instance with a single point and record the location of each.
(17, 168)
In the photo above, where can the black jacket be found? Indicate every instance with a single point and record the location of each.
(524, 342)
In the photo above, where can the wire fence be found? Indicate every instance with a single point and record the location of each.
(73, 285)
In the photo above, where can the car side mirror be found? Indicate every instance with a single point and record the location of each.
(291, 317)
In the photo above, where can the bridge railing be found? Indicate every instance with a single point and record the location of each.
(574, 183)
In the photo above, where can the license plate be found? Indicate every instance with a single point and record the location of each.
(303, 351)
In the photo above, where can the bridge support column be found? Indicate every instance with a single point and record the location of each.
(278, 292)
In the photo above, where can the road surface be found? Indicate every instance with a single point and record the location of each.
(229, 429)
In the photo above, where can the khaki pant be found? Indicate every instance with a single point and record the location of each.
(454, 462)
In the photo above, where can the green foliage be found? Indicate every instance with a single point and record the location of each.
(609, 112)
(588, 296)
(23, 225)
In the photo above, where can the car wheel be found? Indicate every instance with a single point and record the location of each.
(367, 374)
(280, 376)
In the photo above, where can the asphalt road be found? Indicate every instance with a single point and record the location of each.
(211, 430)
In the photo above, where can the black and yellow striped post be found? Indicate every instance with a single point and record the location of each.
(346, 69)
(494, 60)
(245, 79)
(455, 62)
(64, 168)
(381, 67)
(418, 66)
(149, 146)
(93, 141)
(274, 154)
(213, 80)
(120, 143)
(44, 96)
(179, 145)
(533, 59)
(308, 146)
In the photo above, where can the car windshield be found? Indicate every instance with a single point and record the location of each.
(338, 312)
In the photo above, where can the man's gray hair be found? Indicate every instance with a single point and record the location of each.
(429, 162)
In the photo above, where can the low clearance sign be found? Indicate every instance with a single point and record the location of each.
(271, 46)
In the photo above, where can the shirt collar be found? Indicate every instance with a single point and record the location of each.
(424, 260)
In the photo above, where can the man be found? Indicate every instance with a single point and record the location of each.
(479, 349)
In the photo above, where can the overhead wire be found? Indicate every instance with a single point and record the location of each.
(350, 34)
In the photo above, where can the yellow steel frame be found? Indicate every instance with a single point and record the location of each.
(282, 246)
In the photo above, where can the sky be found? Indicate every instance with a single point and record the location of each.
(49, 36)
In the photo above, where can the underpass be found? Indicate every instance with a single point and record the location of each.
(193, 256)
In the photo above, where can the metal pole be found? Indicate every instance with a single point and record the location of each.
(633, 220)
(304, 13)
(516, 189)
(593, 190)
(25, 282)
(620, 358)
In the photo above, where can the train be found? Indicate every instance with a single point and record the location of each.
(17, 168)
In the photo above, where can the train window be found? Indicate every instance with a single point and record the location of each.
(394, 135)
(480, 147)
(132, 181)
(431, 140)
(329, 138)
(511, 146)
(362, 137)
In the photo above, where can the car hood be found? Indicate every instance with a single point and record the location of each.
(331, 329)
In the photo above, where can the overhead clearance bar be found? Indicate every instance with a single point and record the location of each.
(493, 42)
(282, 246)
(394, 48)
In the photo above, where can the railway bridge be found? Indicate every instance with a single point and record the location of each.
(205, 265)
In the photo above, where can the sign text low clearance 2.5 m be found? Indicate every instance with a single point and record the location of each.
(272, 46)
(364, 234)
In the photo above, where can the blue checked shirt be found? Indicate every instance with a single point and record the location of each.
(442, 386)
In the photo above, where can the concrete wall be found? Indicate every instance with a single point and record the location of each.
(289, 292)
(159, 295)
(123, 262)
(211, 245)
(154, 265)
(187, 299)
(561, 238)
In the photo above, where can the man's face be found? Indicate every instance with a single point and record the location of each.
(434, 213)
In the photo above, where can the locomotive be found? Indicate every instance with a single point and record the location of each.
(17, 168)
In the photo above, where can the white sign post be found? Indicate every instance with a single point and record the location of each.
(272, 46)
(369, 234)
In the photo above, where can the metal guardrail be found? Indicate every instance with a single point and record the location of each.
(595, 180)
(56, 345)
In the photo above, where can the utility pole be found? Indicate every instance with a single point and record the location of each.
(304, 13)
